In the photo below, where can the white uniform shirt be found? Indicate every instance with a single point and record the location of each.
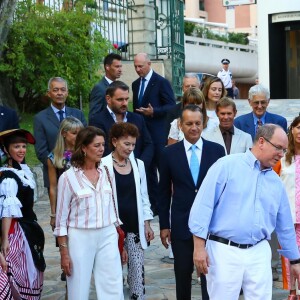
(225, 76)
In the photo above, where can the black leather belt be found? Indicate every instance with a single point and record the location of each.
(228, 242)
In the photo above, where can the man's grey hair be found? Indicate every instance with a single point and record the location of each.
(57, 79)
(192, 75)
(266, 131)
(257, 90)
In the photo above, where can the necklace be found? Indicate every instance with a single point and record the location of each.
(94, 180)
(118, 164)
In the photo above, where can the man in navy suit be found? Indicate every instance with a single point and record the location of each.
(259, 99)
(113, 71)
(117, 96)
(153, 97)
(179, 184)
(46, 123)
(8, 119)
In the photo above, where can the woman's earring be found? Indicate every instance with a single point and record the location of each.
(84, 154)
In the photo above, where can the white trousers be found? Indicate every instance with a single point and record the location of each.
(232, 268)
(95, 251)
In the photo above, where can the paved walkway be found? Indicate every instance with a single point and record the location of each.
(160, 282)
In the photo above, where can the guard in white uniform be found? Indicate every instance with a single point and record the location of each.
(226, 77)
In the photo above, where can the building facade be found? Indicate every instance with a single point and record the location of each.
(279, 47)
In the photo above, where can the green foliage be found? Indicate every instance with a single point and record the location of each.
(204, 32)
(43, 43)
(238, 38)
(189, 28)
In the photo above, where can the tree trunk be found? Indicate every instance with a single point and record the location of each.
(7, 8)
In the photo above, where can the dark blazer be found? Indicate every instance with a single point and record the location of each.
(45, 127)
(97, 98)
(143, 148)
(8, 119)
(160, 95)
(175, 175)
(246, 122)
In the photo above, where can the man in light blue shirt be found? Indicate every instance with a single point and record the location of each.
(240, 203)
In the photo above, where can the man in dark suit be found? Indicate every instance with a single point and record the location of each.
(8, 119)
(113, 71)
(46, 123)
(190, 80)
(259, 99)
(152, 97)
(179, 182)
(117, 96)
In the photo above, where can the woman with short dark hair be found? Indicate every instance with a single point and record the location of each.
(129, 184)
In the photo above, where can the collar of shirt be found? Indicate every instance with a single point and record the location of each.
(230, 130)
(254, 162)
(255, 119)
(108, 80)
(187, 147)
(56, 110)
(148, 76)
(115, 117)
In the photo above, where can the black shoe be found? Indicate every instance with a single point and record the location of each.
(63, 276)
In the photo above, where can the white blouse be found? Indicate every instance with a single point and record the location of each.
(80, 204)
(10, 205)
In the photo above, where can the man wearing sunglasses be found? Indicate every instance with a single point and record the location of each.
(259, 98)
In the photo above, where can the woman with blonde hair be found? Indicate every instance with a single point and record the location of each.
(213, 90)
(59, 160)
(190, 96)
(288, 168)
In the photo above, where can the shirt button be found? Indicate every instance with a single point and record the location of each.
(196, 191)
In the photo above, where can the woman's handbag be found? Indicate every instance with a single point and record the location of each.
(120, 231)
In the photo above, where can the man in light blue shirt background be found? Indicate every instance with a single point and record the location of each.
(240, 203)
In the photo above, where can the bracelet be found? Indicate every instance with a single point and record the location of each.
(62, 245)
(295, 262)
(52, 215)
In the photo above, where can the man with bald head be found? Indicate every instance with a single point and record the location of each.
(240, 203)
(153, 97)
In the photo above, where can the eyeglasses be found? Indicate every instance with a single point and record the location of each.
(261, 102)
(278, 149)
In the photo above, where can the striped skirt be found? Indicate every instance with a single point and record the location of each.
(22, 276)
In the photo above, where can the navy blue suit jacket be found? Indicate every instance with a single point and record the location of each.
(175, 171)
(144, 146)
(8, 119)
(46, 126)
(97, 98)
(160, 95)
(246, 122)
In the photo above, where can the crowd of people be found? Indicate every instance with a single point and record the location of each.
(207, 175)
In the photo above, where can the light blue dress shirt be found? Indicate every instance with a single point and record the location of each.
(244, 204)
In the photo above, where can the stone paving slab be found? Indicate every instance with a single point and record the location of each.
(159, 275)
